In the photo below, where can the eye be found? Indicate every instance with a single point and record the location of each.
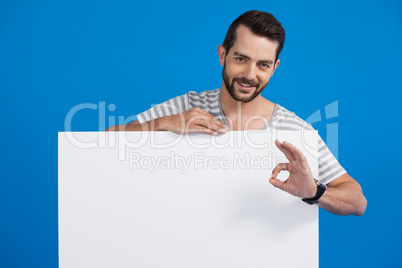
(240, 59)
(264, 65)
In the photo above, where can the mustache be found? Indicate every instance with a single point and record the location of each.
(243, 80)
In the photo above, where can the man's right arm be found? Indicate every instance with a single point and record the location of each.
(191, 121)
(136, 126)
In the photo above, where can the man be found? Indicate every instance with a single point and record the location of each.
(249, 56)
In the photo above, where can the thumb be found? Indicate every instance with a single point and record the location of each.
(277, 183)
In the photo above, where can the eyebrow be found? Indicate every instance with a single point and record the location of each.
(247, 57)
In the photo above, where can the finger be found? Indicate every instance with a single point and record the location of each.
(278, 184)
(201, 129)
(299, 156)
(208, 122)
(289, 155)
(212, 118)
(214, 125)
(279, 168)
(221, 124)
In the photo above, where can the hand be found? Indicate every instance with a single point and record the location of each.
(194, 120)
(300, 181)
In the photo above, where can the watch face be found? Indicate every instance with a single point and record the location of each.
(321, 185)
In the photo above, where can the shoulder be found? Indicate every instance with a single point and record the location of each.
(204, 96)
(208, 100)
(283, 119)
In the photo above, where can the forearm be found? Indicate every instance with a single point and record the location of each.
(344, 199)
(153, 125)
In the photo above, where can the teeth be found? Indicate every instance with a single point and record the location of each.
(244, 85)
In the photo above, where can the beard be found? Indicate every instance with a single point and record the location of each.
(230, 87)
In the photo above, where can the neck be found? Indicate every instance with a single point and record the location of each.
(253, 115)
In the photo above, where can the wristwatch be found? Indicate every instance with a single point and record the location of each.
(320, 191)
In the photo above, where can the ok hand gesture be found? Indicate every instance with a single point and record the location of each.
(300, 181)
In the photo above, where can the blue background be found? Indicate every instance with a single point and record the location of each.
(55, 55)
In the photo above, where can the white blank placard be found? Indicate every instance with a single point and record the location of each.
(156, 199)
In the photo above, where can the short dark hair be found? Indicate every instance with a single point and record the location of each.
(260, 23)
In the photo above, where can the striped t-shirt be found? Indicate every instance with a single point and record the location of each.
(282, 119)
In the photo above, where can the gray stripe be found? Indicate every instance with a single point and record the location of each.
(208, 95)
(216, 114)
(156, 112)
(176, 107)
(201, 100)
(324, 155)
(204, 107)
(164, 110)
(271, 121)
(221, 117)
(150, 117)
(284, 128)
(290, 122)
(327, 163)
(323, 171)
(213, 92)
(140, 118)
(193, 94)
(322, 148)
(169, 107)
(332, 175)
(176, 104)
(285, 113)
(182, 103)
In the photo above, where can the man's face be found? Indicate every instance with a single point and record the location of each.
(249, 65)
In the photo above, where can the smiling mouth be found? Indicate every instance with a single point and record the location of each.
(245, 86)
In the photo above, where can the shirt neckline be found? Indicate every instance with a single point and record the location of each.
(222, 115)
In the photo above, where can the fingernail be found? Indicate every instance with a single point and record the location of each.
(226, 127)
(214, 133)
(223, 131)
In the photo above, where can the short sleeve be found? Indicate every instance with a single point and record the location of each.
(328, 166)
(173, 106)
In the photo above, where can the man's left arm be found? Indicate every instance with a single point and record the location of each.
(343, 195)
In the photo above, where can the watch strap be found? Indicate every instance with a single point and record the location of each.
(321, 188)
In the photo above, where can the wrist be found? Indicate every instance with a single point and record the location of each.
(320, 190)
(312, 190)
(161, 124)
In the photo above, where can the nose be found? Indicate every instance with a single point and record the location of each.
(250, 72)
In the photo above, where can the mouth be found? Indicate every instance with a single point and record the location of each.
(244, 86)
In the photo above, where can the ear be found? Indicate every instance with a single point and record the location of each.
(275, 66)
(222, 54)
